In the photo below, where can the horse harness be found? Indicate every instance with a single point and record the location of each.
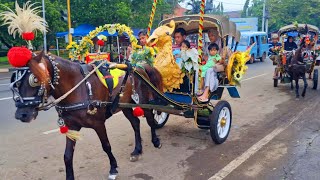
(40, 99)
(41, 96)
(92, 105)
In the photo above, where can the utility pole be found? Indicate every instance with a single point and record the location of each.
(44, 33)
(267, 19)
(69, 22)
(263, 15)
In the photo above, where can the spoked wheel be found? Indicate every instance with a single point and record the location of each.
(160, 118)
(315, 79)
(220, 122)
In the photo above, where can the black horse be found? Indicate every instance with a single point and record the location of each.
(297, 67)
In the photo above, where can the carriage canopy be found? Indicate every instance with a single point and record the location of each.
(300, 28)
(191, 23)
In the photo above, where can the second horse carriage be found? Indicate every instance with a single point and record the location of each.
(283, 59)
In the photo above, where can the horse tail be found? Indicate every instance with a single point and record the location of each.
(154, 76)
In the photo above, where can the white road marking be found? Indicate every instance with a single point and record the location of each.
(4, 78)
(51, 131)
(224, 172)
(255, 77)
(6, 98)
(58, 129)
(4, 84)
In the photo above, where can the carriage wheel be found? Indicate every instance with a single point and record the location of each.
(220, 122)
(160, 118)
(275, 82)
(315, 79)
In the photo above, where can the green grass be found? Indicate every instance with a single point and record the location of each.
(3, 60)
(5, 66)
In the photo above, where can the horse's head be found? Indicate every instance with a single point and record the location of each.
(161, 35)
(30, 86)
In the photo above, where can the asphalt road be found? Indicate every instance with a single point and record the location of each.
(273, 136)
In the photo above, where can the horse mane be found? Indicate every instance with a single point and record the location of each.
(155, 76)
(41, 67)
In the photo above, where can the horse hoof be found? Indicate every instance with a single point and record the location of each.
(112, 176)
(160, 145)
(134, 158)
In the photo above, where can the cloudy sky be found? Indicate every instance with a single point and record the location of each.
(229, 5)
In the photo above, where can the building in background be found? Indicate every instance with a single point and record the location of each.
(178, 11)
(233, 14)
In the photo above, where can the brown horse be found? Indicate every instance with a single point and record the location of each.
(47, 76)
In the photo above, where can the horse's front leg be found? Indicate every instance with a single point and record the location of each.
(68, 158)
(151, 122)
(102, 134)
(135, 123)
(305, 85)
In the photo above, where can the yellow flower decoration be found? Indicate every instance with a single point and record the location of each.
(82, 50)
(102, 37)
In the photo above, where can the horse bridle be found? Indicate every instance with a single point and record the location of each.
(308, 56)
(41, 97)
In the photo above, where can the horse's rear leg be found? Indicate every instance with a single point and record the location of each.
(135, 123)
(102, 133)
(151, 122)
(68, 158)
(305, 86)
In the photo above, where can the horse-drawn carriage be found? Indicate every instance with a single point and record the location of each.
(306, 33)
(84, 99)
(183, 101)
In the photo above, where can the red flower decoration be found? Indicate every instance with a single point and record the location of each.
(138, 111)
(64, 129)
(19, 56)
(100, 42)
(29, 36)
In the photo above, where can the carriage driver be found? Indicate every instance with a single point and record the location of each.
(273, 51)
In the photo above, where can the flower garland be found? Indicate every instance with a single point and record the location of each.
(144, 55)
(189, 62)
(277, 50)
(317, 50)
(82, 50)
(237, 67)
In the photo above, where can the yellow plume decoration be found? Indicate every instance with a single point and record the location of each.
(73, 135)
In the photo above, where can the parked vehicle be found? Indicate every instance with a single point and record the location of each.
(260, 49)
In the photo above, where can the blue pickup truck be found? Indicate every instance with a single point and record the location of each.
(259, 50)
